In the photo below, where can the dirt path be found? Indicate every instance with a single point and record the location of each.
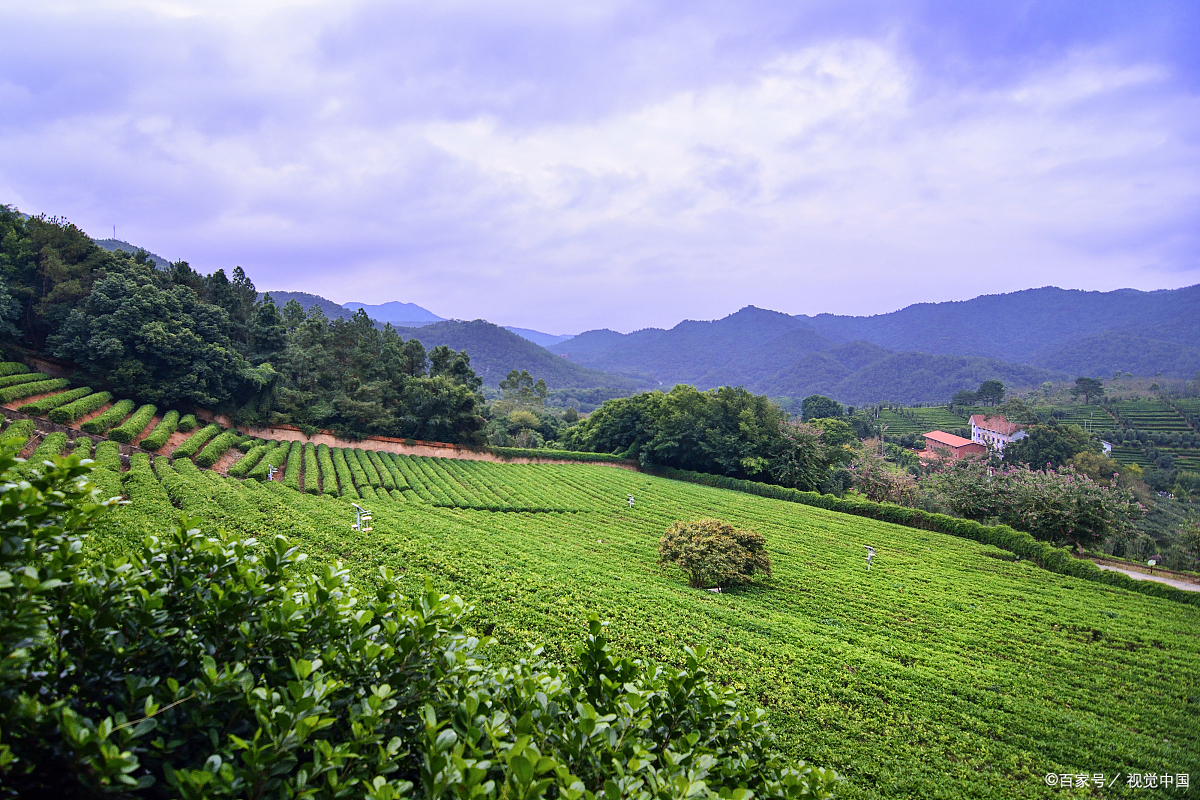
(1142, 576)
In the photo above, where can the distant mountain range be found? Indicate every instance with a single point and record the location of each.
(920, 353)
(402, 315)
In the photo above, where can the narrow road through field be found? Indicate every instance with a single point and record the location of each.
(1142, 576)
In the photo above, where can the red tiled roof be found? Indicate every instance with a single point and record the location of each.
(947, 439)
(997, 424)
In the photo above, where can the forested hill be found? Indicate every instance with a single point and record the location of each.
(309, 301)
(494, 351)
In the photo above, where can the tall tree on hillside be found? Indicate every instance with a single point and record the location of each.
(990, 393)
(1088, 387)
(817, 406)
(519, 390)
(1051, 444)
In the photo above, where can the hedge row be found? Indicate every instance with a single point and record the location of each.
(328, 474)
(113, 416)
(12, 368)
(128, 431)
(343, 473)
(248, 443)
(40, 407)
(218, 447)
(1050, 558)
(197, 440)
(385, 475)
(247, 462)
(21, 430)
(162, 431)
(272, 459)
(82, 447)
(312, 472)
(295, 460)
(566, 455)
(24, 377)
(108, 456)
(49, 447)
(10, 393)
(188, 423)
(65, 415)
(357, 472)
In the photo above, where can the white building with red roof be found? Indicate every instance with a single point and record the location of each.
(995, 431)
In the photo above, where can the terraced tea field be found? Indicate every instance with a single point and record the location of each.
(1090, 418)
(920, 420)
(949, 670)
(1152, 415)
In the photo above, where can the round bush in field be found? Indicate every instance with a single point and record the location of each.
(713, 553)
(65, 415)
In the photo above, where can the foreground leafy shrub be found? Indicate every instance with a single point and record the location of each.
(218, 447)
(65, 415)
(188, 423)
(162, 432)
(109, 418)
(713, 553)
(126, 676)
(10, 393)
(127, 431)
(40, 407)
(193, 443)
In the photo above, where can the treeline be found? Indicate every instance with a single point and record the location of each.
(176, 337)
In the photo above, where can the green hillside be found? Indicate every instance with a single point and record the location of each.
(949, 670)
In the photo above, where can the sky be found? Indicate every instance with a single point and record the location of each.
(565, 166)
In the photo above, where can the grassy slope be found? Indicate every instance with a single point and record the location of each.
(946, 671)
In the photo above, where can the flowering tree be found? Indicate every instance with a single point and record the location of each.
(873, 479)
(1054, 505)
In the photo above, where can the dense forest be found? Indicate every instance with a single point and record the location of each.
(174, 336)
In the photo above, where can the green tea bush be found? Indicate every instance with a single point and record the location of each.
(329, 484)
(108, 456)
(218, 447)
(342, 468)
(26, 377)
(124, 676)
(40, 407)
(1047, 556)
(193, 443)
(248, 442)
(162, 432)
(312, 472)
(713, 553)
(65, 415)
(12, 368)
(291, 472)
(128, 430)
(19, 432)
(188, 423)
(47, 449)
(274, 458)
(368, 468)
(247, 462)
(10, 393)
(113, 416)
(81, 447)
(385, 476)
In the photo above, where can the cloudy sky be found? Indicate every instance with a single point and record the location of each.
(575, 165)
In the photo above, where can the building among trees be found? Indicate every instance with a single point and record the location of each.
(995, 431)
(954, 446)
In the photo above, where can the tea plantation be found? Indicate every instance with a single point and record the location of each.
(949, 670)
